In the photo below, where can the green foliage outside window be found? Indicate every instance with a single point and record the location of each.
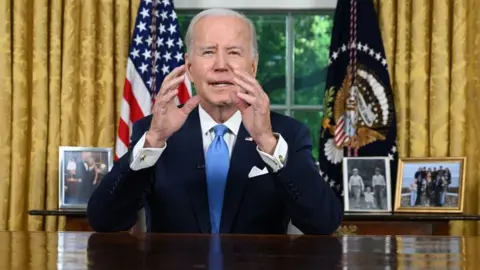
(309, 58)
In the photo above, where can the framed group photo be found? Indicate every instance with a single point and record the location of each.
(367, 184)
(81, 169)
(430, 185)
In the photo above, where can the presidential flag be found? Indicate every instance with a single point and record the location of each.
(156, 49)
(358, 110)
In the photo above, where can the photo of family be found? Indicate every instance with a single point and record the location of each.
(430, 184)
(81, 171)
(367, 184)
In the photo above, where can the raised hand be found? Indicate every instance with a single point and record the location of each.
(167, 117)
(254, 105)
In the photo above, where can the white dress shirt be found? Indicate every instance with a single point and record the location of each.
(147, 157)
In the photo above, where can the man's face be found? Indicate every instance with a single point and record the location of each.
(219, 43)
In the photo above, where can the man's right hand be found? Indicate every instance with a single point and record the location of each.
(167, 117)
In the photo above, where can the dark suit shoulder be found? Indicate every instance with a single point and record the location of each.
(285, 124)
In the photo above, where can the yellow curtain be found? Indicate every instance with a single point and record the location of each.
(433, 50)
(62, 68)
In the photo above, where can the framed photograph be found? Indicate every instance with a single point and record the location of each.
(430, 185)
(81, 169)
(367, 185)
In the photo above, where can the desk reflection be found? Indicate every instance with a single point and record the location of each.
(40, 250)
(213, 252)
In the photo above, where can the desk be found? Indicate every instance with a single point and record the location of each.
(83, 250)
(353, 224)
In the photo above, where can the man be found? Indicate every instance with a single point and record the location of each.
(380, 186)
(356, 186)
(228, 165)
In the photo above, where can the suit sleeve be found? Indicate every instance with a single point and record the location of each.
(313, 206)
(114, 204)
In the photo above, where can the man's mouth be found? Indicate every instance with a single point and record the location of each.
(221, 83)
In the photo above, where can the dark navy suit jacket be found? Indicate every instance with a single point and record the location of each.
(174, 191)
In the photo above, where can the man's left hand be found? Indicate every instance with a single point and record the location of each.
(254, 105)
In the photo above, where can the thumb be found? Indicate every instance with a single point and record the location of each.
(190, 104)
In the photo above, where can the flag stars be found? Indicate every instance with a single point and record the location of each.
(371, 52)
(164, 15)
(394, 149)
(167, 56)
(135, 53)
(179, 57)
(384, 62)
(157, 55)
(359, 46)
(173, 15)
(332, 183)
(147, 54)
(143, 68)
(162, 29)
(159, 41)
(180, 43)
(166, 2)
(390, 156)
(344, 48)
(365, 48)
(149, 40)
(165, 70)
(138, 40)
(142, 26)
(170, 42)
(335, 55)
(172, 29)
(378, 56)
(144, 13)
(156, 14)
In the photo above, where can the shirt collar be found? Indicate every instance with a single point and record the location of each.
(207, 122)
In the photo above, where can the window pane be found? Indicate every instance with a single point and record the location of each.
(311, 48)
(271, 37)
(271, 40)
(279, 111)
(313, 120)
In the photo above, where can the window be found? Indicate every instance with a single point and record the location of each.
(294, 50)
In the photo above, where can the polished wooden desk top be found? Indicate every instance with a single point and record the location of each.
(75, 250)
(346, 217)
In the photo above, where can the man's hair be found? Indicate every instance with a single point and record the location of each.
(220, 12)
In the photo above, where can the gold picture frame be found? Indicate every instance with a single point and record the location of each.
(430, 185)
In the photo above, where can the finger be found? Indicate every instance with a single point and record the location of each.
(190, 104)
(247, 98)
(239, 103)
(248, 78)
(168, 86)
(167, 99)
(177, 74)
(247, 87)
(180, 70)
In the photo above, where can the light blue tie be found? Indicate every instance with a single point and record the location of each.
(217, 162)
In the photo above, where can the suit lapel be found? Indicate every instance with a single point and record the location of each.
(196, 183)
(237, 179)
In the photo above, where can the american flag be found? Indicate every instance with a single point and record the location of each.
(156, 49)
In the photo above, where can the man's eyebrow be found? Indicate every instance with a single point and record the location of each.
(209, 47)
(235, 47)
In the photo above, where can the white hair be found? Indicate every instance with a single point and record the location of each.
(221, 12)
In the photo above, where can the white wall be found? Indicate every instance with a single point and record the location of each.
(256, 4)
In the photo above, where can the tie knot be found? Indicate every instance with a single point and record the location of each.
(220, 130)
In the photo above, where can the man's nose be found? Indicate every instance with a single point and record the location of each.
(221, 62)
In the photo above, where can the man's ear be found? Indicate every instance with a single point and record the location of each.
(255, 67)
(188, 65)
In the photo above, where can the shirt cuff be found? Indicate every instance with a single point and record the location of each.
(279, 158)
(145, 157)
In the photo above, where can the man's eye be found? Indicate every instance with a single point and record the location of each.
(207, 52)
(235, 52)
